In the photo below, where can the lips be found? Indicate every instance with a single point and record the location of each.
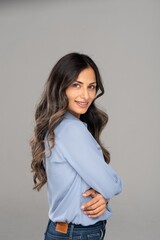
(82, 104)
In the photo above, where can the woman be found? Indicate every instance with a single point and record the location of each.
(67, 152)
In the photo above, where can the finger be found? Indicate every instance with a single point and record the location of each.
(90, 192)
(89, 203)
(96, 205)
(95, 202)
(96, 215)
(96, 210)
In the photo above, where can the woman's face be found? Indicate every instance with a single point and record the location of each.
(82, 92)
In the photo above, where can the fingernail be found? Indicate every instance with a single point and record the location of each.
(84, 194)
(82, 207)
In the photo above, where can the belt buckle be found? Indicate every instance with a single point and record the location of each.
(62, 227)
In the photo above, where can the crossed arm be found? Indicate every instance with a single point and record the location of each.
(96, 206)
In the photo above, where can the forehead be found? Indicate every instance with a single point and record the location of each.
(87, 75)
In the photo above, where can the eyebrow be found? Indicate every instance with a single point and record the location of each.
(82, 82)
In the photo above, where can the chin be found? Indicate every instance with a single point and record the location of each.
(78, 113)
(83, 111)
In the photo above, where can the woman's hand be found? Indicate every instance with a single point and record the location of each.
(96, 206)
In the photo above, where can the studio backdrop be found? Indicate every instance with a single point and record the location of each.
(122, 37)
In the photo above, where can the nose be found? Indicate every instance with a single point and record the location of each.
(85, 94)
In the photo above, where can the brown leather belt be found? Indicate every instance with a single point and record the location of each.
(62, 227)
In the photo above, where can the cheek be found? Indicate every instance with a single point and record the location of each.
(71, 94)
(93, 95)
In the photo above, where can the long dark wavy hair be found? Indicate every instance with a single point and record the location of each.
(53, 105)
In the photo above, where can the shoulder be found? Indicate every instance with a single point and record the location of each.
(72, 131)
(71, 126)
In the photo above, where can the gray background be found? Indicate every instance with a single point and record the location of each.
(123, 38)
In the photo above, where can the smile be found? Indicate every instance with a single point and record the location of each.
(82, 104)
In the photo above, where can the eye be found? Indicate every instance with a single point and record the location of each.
(76, 85)
(92, 87)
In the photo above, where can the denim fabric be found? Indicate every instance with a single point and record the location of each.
(77, 232)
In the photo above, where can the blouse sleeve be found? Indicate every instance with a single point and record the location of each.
(84, 154)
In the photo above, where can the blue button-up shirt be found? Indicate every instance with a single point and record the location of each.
(76, 163)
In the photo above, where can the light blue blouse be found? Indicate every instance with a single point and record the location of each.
(76, 163)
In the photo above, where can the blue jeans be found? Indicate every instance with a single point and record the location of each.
(77, 232)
